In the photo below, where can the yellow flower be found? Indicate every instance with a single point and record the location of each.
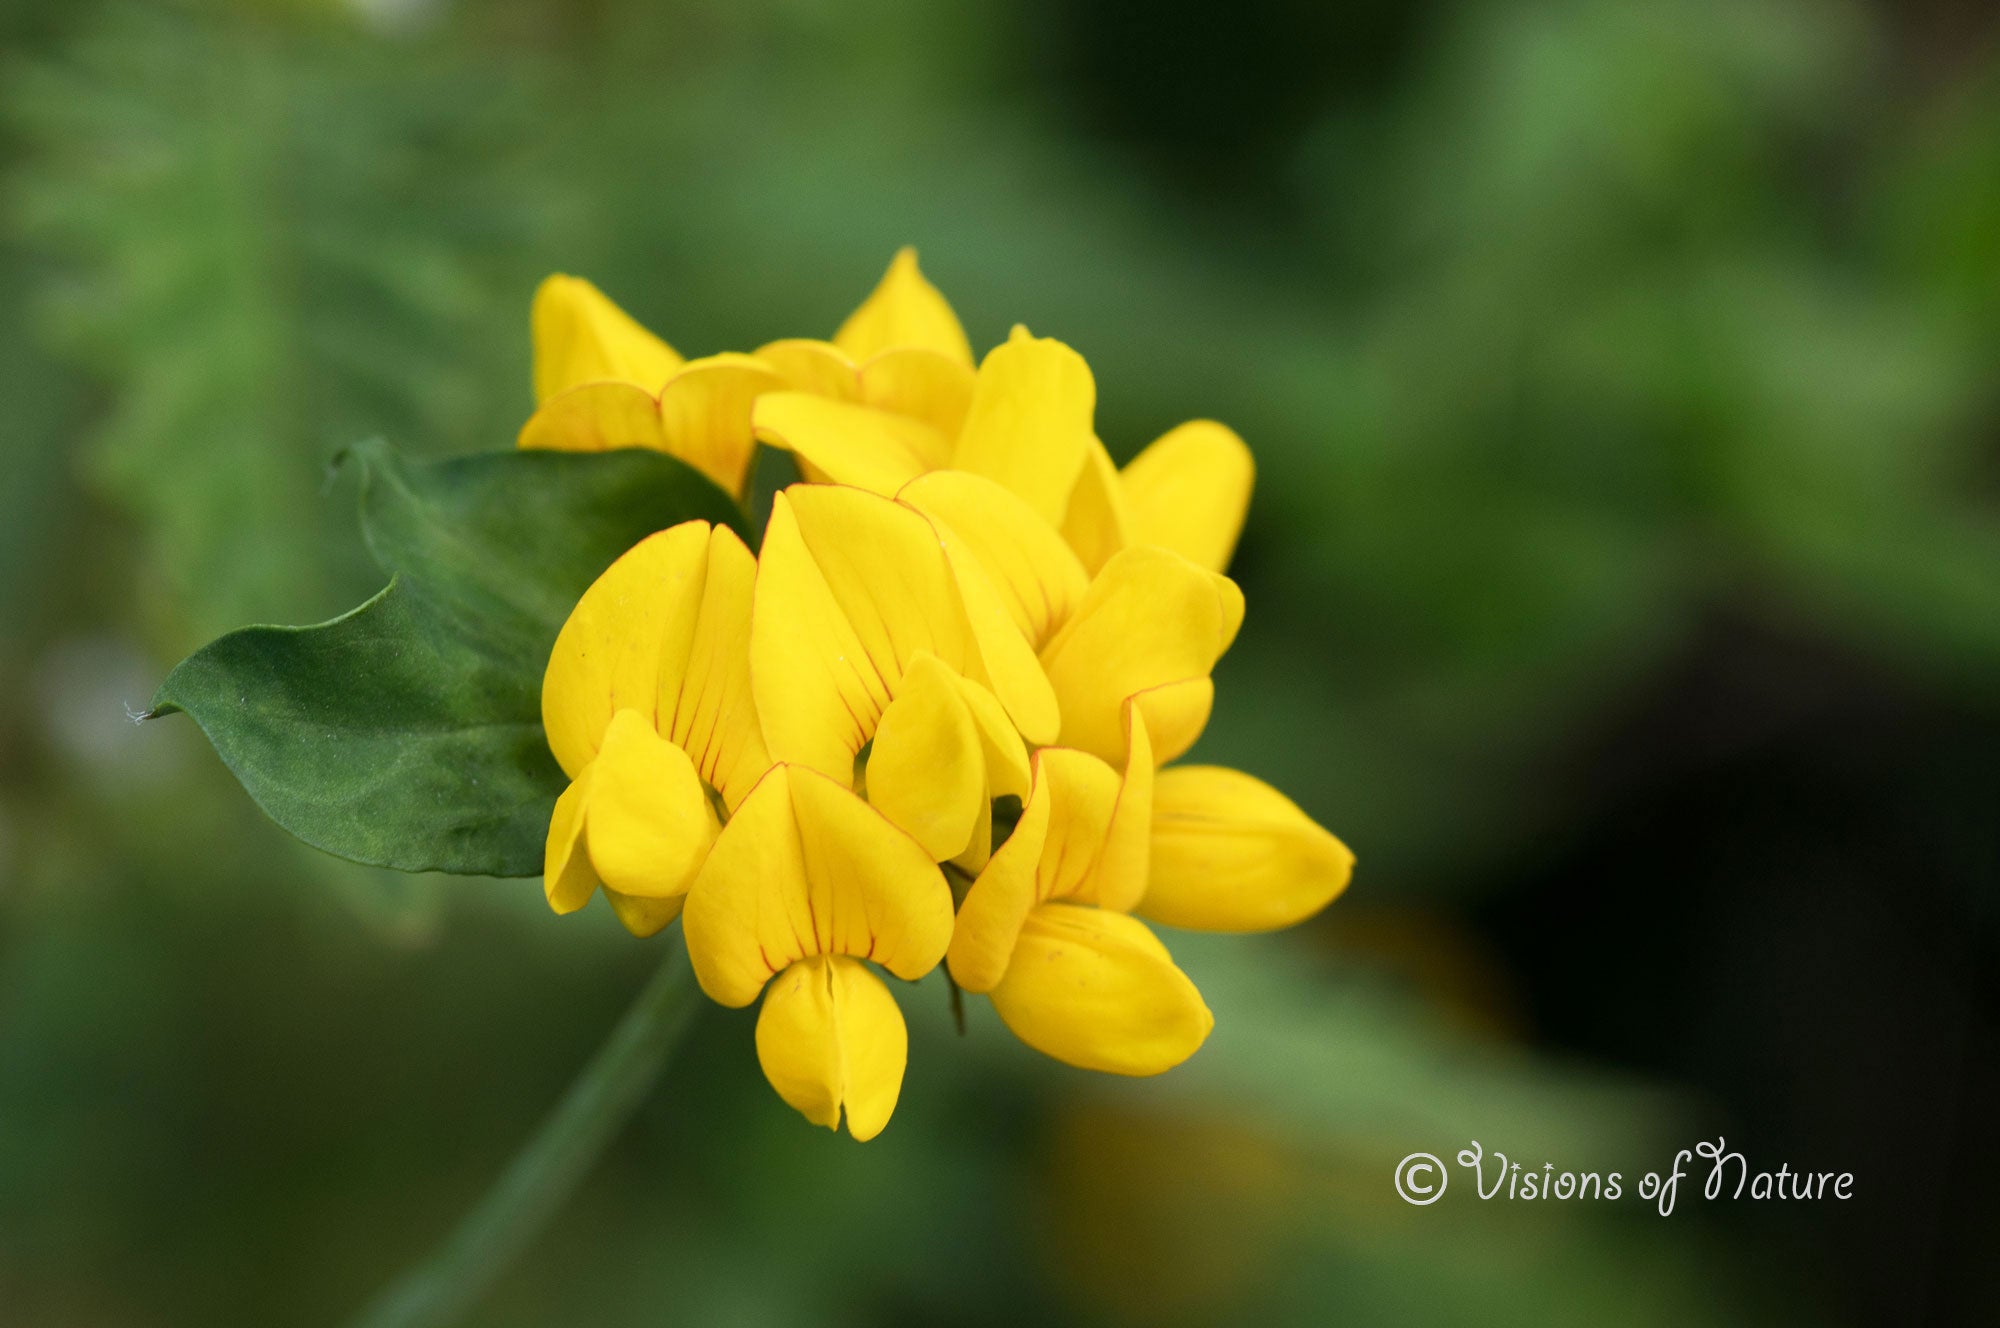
(1026, 424)
(901, 360)
(602, 382)
(646, 705)
(582, 337)
(864, 414)
(1128, 654)
(864, 634)
(1230, 852)
(805, 887)
(965, 608)
(1044, 929)
(1150, 624)
(891, 397)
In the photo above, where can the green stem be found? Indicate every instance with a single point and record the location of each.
(544, 1174)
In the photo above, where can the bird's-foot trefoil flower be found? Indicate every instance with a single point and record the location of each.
(1025, 420)
(1044, 928)
(901, 362)
(892, 395)
(866, 633)
(604, 382)
(931, 719)
(646, 704)
(806, 886)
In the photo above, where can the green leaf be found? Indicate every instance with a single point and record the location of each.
(407, 733)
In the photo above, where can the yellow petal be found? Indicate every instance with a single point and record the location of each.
(1229, 599)
(1070, 842)
(747, 915)
(1084, 798)
(1118, 877)
(979, 848)
(1040, 581)
(818, 367)
(830, 1036)
(636, 821)
(1008, 532)
(903, 310)
(926, 770)
(596, 417)
(989, 921)
(1231, 853)
(705, 414)
(1150, 618)
(704, 702)
(567, 878)
(1007, 769)
(1006, 756)
(818, 691)
(1004, 658)
(844, 443)
(1029, 425)
(1176, 713)
(581, 336)
(1189, 490)
(1096, 990)
(923, 384)
(1099, 521)
(850, 587)
(641, 916)
(664, 631)
(647, 819)
(607, 657)
(807, 868)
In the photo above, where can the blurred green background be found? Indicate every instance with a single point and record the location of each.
(1624, 585)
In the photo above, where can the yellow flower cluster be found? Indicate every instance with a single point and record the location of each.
(928, 721)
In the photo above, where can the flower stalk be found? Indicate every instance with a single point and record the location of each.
(547, 1171)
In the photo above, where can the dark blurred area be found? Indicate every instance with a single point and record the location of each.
(1623, 583)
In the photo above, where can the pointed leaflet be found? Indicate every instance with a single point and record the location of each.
(407, 733)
